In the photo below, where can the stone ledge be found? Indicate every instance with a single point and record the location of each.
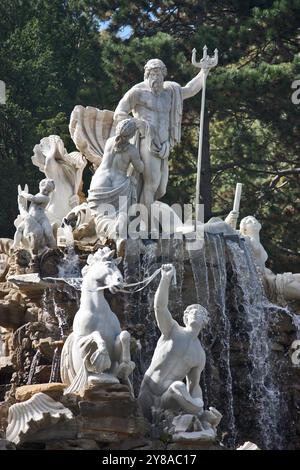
(54, 390)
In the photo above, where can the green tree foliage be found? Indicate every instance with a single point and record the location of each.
(57, 54)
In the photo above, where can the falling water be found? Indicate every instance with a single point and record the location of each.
(150, 262)
(252, 305)
(55, 368)
(296, 322)
(33, 366)
(210, 276)
(70, 266)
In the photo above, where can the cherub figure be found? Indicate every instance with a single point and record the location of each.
(34, 231)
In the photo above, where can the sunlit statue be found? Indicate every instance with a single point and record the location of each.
(34, 231)
(178, 355)
(279, 287)
(97, 351)
(156, 105)
(111, 185)
(65, 169)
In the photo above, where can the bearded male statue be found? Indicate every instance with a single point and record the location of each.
(157, 107)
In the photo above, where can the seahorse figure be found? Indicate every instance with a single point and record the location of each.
(97, 351)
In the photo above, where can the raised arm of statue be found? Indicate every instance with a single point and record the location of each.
(193, 87)
(163, 316)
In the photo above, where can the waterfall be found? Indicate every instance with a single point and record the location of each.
(69, 266)
(296, 322)
(252, 312)
(34, 363)
(55, 368)
(210, 276)
(240, 377)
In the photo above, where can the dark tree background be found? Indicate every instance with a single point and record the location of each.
(56, 54)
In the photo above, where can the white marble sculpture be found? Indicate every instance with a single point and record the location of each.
(279, 287)
(32, 416)
(111, 183)
(248, 446)
(65, 169)
(97, 351)
(34, 231)
(157, 107)
(90, 128)
(190, 428)
(178, 356)
(82, 222)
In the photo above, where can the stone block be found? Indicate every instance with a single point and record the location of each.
(107, 408)
(53, 390)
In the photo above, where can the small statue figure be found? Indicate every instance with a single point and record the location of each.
(34, 231)
(280, 288)
(178, 356)
(66, 171)
(97, 351)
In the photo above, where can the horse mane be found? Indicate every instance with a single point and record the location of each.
(102, 255)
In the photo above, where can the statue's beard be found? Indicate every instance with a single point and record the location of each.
(156, 84)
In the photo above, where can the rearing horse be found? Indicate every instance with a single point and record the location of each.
(97, 351)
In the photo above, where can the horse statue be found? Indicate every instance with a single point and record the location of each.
(97, 351)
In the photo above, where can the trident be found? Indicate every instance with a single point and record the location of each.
(205, 64)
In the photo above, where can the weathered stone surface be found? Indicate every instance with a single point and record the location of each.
(101, 436)
(11, 314)
(42, 374)
(195, 446)
(121, 409)
(127, 444)
(74, 444)
(6, 445)
(60, 431)
(54, 390)
(108, 391)
(125, 426)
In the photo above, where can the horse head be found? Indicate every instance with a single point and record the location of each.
(102, 270)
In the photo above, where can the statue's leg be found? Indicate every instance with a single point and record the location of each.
(292, 289)
(122, 352)
(18, 236)
(162, 188)
(178, 397)
(48, 234)
(151, 175)
(122, 346)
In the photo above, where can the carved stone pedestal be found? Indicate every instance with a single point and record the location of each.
(109, 415)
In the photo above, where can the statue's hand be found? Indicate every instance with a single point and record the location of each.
(125, 369)
(167, 271)
(141, 126)
(232, 218)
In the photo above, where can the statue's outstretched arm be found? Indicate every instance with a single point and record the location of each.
(163, 316)
(193, 87)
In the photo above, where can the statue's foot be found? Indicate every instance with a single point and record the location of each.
(103, 378)
(125, 369)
